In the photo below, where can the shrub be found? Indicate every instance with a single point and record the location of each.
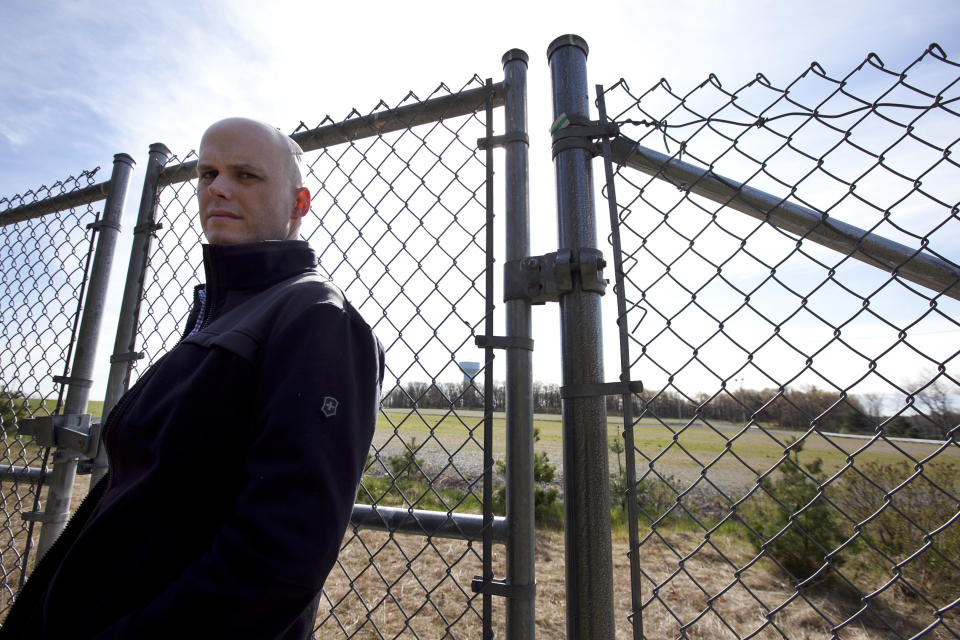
(655, 495)
(896, 520)
(900, 427)
(797, 540)
(407, 464)
(13, 405)
(548, 505)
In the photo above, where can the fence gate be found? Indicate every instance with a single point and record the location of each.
(54, 286)
(785, 294)
(402, 220)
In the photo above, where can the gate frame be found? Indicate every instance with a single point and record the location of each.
(72, 419)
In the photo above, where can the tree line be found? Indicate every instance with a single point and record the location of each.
(791, 408)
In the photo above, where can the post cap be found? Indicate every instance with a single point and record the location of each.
(515, 54)
(569, 40)
(125, 158)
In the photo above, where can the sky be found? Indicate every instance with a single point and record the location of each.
(82, 80)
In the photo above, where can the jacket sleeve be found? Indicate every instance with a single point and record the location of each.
(317, 397)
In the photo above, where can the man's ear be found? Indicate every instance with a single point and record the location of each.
(302, 202)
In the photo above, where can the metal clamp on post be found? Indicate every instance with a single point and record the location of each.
(104, 224)
(44, 518)
(598, 389)
(577, 132)
(77, 382)
(76, 432)
(504, 342)
(87, 466)
(545, 278)
(501, 141)
(149, 227)
(126, 357)
(500, 588)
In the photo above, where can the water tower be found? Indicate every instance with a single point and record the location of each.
(470, 369)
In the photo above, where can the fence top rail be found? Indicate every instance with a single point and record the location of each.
(915, 265)
(79, 198)
(374, 124)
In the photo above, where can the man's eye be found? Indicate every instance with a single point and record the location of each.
(207, 176)
(248, 176)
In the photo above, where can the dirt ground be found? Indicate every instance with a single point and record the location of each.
(407, 587)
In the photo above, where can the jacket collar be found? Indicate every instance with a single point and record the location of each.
(250, 267)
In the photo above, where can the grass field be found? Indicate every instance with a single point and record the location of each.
(679, 449)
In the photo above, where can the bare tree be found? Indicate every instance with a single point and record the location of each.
(934, 399)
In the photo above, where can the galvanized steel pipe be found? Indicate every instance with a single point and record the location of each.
(589, 558)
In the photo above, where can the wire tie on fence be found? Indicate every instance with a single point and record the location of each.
(561, 122)
(502, 141)
(504, 342)
(77, 382)
(600, 389)
(495, 587)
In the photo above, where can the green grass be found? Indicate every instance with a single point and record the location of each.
(682, 450)
(48, 406)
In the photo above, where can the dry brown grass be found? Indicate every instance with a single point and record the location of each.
(387, 600)
(404, 586)
(15, 498)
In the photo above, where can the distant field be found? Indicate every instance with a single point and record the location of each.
(94, 407)
(677, 449)
(683, 451)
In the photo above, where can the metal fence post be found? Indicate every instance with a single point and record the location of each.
(123, 347)
(589, 558)
(521, 541)
(60, 487)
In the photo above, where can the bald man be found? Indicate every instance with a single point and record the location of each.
(234, 459)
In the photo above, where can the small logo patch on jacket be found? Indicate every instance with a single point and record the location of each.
(329, 408)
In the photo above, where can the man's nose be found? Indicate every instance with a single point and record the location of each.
(219, 187)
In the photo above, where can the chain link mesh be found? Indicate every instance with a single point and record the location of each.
(797, 443)
(398, 222)
(43, 262)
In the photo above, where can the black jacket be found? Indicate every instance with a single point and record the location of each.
(234, 463)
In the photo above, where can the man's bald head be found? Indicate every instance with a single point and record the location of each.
(250, 187)
(285, 147)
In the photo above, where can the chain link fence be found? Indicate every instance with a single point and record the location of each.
(398, 220)
(791, 304)
(46, 245)
(788, 294)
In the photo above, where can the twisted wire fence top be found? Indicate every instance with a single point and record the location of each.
(397, 220)
(43, 261)
(758, 346)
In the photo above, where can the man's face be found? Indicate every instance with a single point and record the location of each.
(244, 189)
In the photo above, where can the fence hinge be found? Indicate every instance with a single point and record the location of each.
(76, 432)
(501, 141)
(545, 278)
(578, 132)
(497, 587)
